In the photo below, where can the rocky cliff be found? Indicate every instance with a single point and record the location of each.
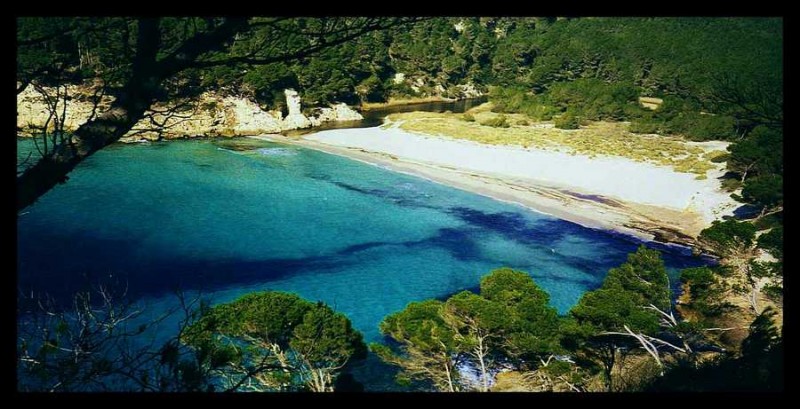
(210, 114)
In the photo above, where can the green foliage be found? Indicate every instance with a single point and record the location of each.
(277, 327)
(706, 292)
(774, 292)
(568, 120)
(54, 50)
(531, 326)
(427, 345)
(468, 117)
(760, 153)
(511, 287)
(512, 100)
(729, 236)
(402, 90)
(730, 184)
(764, 335)
(593, 99)
(269, 315)
(760, 269)
(718, 156)
(326, 338)
(646, 126)
(622, 301)
(267, 82)
(497, 122)
(571, 69)
(764, 190)
(511, 318)
(420, 324)
(643, 274)
(682, 116)
(710, 127)
(772, 241)
(608, 309)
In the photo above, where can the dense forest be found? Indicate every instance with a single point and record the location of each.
(718, 78)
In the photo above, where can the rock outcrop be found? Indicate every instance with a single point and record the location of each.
(295, 119)
(247, 118)
(338, 112)
(207, 115)
(468, 91)
(32, 110)
(399, 78)
(425, 86)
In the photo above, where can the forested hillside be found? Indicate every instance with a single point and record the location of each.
(685, 57)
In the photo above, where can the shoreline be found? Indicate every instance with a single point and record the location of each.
(641, 221)
(370, 106)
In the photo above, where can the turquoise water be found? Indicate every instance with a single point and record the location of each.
(227, 217)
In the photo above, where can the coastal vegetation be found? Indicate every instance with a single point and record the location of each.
(264, 341)
(624, 336)
(277, 341)
(630, 334)
(593, 139)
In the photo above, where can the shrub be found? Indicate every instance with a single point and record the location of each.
(497, 122)
(769, 221)
(772, 241)
(718, 156)
(403, 90)
(519, 100)
(702, 127)
(568, 120)
(774, 292)
(731, 184)
(468, 117)
(594, 99)
(644, 126)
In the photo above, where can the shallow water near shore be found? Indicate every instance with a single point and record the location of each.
(227, 217)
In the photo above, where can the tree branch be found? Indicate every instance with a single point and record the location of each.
(304, 52)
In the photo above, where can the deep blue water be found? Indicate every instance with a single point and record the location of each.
(227, 217)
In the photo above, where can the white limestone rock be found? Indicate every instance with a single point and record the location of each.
(249, 119)
(468, 90)
(295, 119)
(337, 112)
(345, 113)
(32, 110)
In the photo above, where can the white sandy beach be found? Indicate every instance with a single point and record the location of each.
(634, 197)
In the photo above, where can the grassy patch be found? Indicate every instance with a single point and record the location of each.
(596, 138)
(717, 156)
(731, 184)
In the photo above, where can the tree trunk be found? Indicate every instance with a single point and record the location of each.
(127, 109)
(137, 94)
(449, 377)
(747, 169)
(609, 365)
(89, 138)
(484, 376)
